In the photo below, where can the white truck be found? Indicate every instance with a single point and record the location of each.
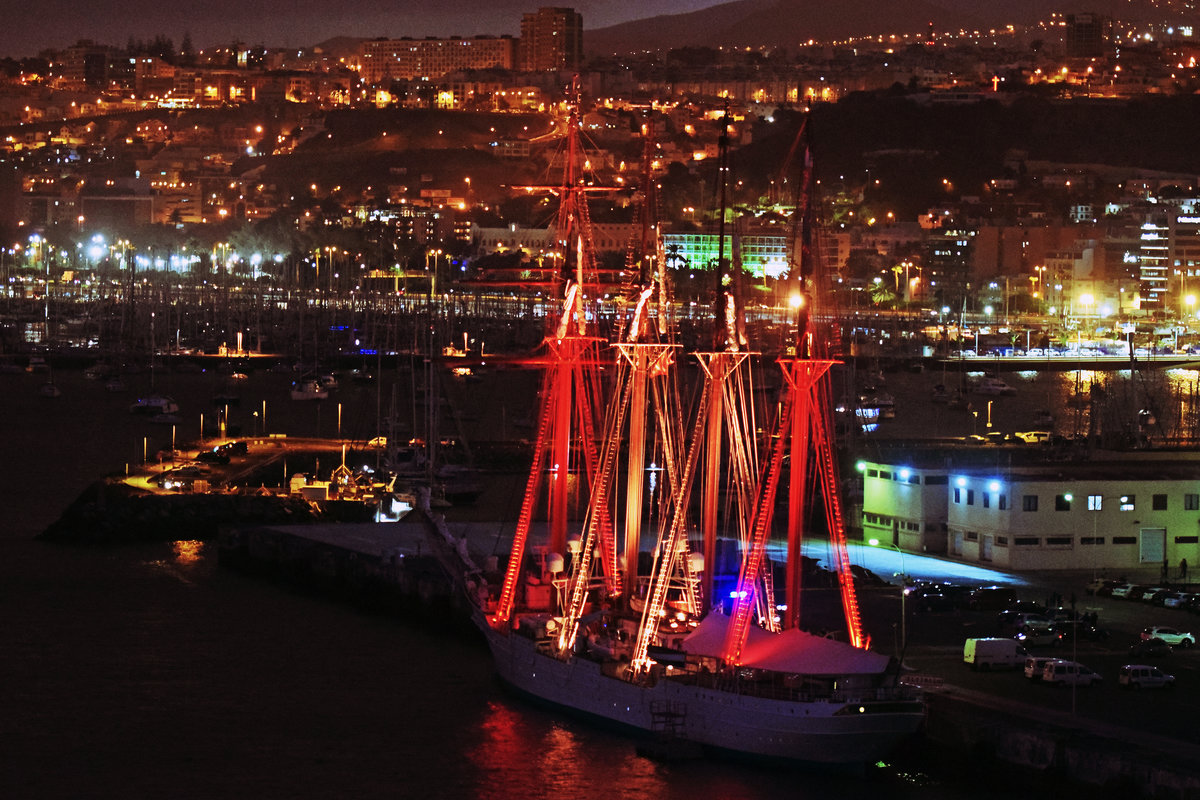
(988, 654)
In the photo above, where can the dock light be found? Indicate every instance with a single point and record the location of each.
(994, 486)
(1068, 497)
(796, 300)
(960, 482)
(904, 473)
(861, 466)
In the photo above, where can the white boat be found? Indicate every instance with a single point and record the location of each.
(308, 390)
(990, 385)
(153, 405)
(798, 699)
(581, 626)
(883, 404)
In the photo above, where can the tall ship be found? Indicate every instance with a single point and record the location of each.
(641, 485)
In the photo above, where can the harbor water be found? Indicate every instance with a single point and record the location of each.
(148, 671)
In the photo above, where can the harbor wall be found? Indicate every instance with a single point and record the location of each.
(383, 568)
(1041, 750)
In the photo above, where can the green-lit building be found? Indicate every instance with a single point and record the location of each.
(760, 254)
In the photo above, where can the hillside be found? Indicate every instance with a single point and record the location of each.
(786, 23)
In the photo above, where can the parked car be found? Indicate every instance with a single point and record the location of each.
(1068, 673)
(1018, 619)
(214, 456)
(1147, 594)
(1149, 648)
(238, 448)
(1144, 676)
(1086, 630)
(1039, 635)
(1172, 636)
(1123, 590)
(993, 598)
(1172, 600)
(1102, 587)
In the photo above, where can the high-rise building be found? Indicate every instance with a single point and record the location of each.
(408, 59)
(551, 39)
(1087, 35)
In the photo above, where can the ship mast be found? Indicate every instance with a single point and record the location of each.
(571, 388)
(804, 424)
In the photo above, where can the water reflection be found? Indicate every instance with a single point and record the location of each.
(188, 551)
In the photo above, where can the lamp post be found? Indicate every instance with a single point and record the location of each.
(903, 594)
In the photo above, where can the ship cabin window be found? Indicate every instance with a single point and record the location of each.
(1029, 502)
(1003, 504)
(1191, 502)
(1158, 502)
(1095, 502)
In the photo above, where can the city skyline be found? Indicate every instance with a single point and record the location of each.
(288, 23)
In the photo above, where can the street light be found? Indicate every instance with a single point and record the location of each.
(903, 595)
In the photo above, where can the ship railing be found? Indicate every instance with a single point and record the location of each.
(775, 690)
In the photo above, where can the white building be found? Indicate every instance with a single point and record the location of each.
(1114, 516)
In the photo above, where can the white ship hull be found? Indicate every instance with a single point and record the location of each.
(834, 733)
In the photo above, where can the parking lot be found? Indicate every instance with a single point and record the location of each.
(935, 647)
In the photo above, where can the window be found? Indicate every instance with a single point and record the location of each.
(872, 473)
(1124, 540)
(1001, 541)
(1158, 502)
(987, 500)
(1191, 502)
(972, 536)
(914, 479)
(1091, 540)
(970, 497)
(885, 476)
(958, 495)
(1128, 502)
(1095, 502)
(1187, 539)
(1059, 540)
(1029, 502)
(1026, 541)
(1003, 504)
(1062, 502)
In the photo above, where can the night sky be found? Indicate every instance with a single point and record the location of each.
(35, 25)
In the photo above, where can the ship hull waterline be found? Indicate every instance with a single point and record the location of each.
(827, 734)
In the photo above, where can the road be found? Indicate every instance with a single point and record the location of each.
(935, 643)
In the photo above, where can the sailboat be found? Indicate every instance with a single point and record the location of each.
(575, 625)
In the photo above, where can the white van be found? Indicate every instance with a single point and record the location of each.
(1067, 673)
(1143, 676)
(986, 654)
